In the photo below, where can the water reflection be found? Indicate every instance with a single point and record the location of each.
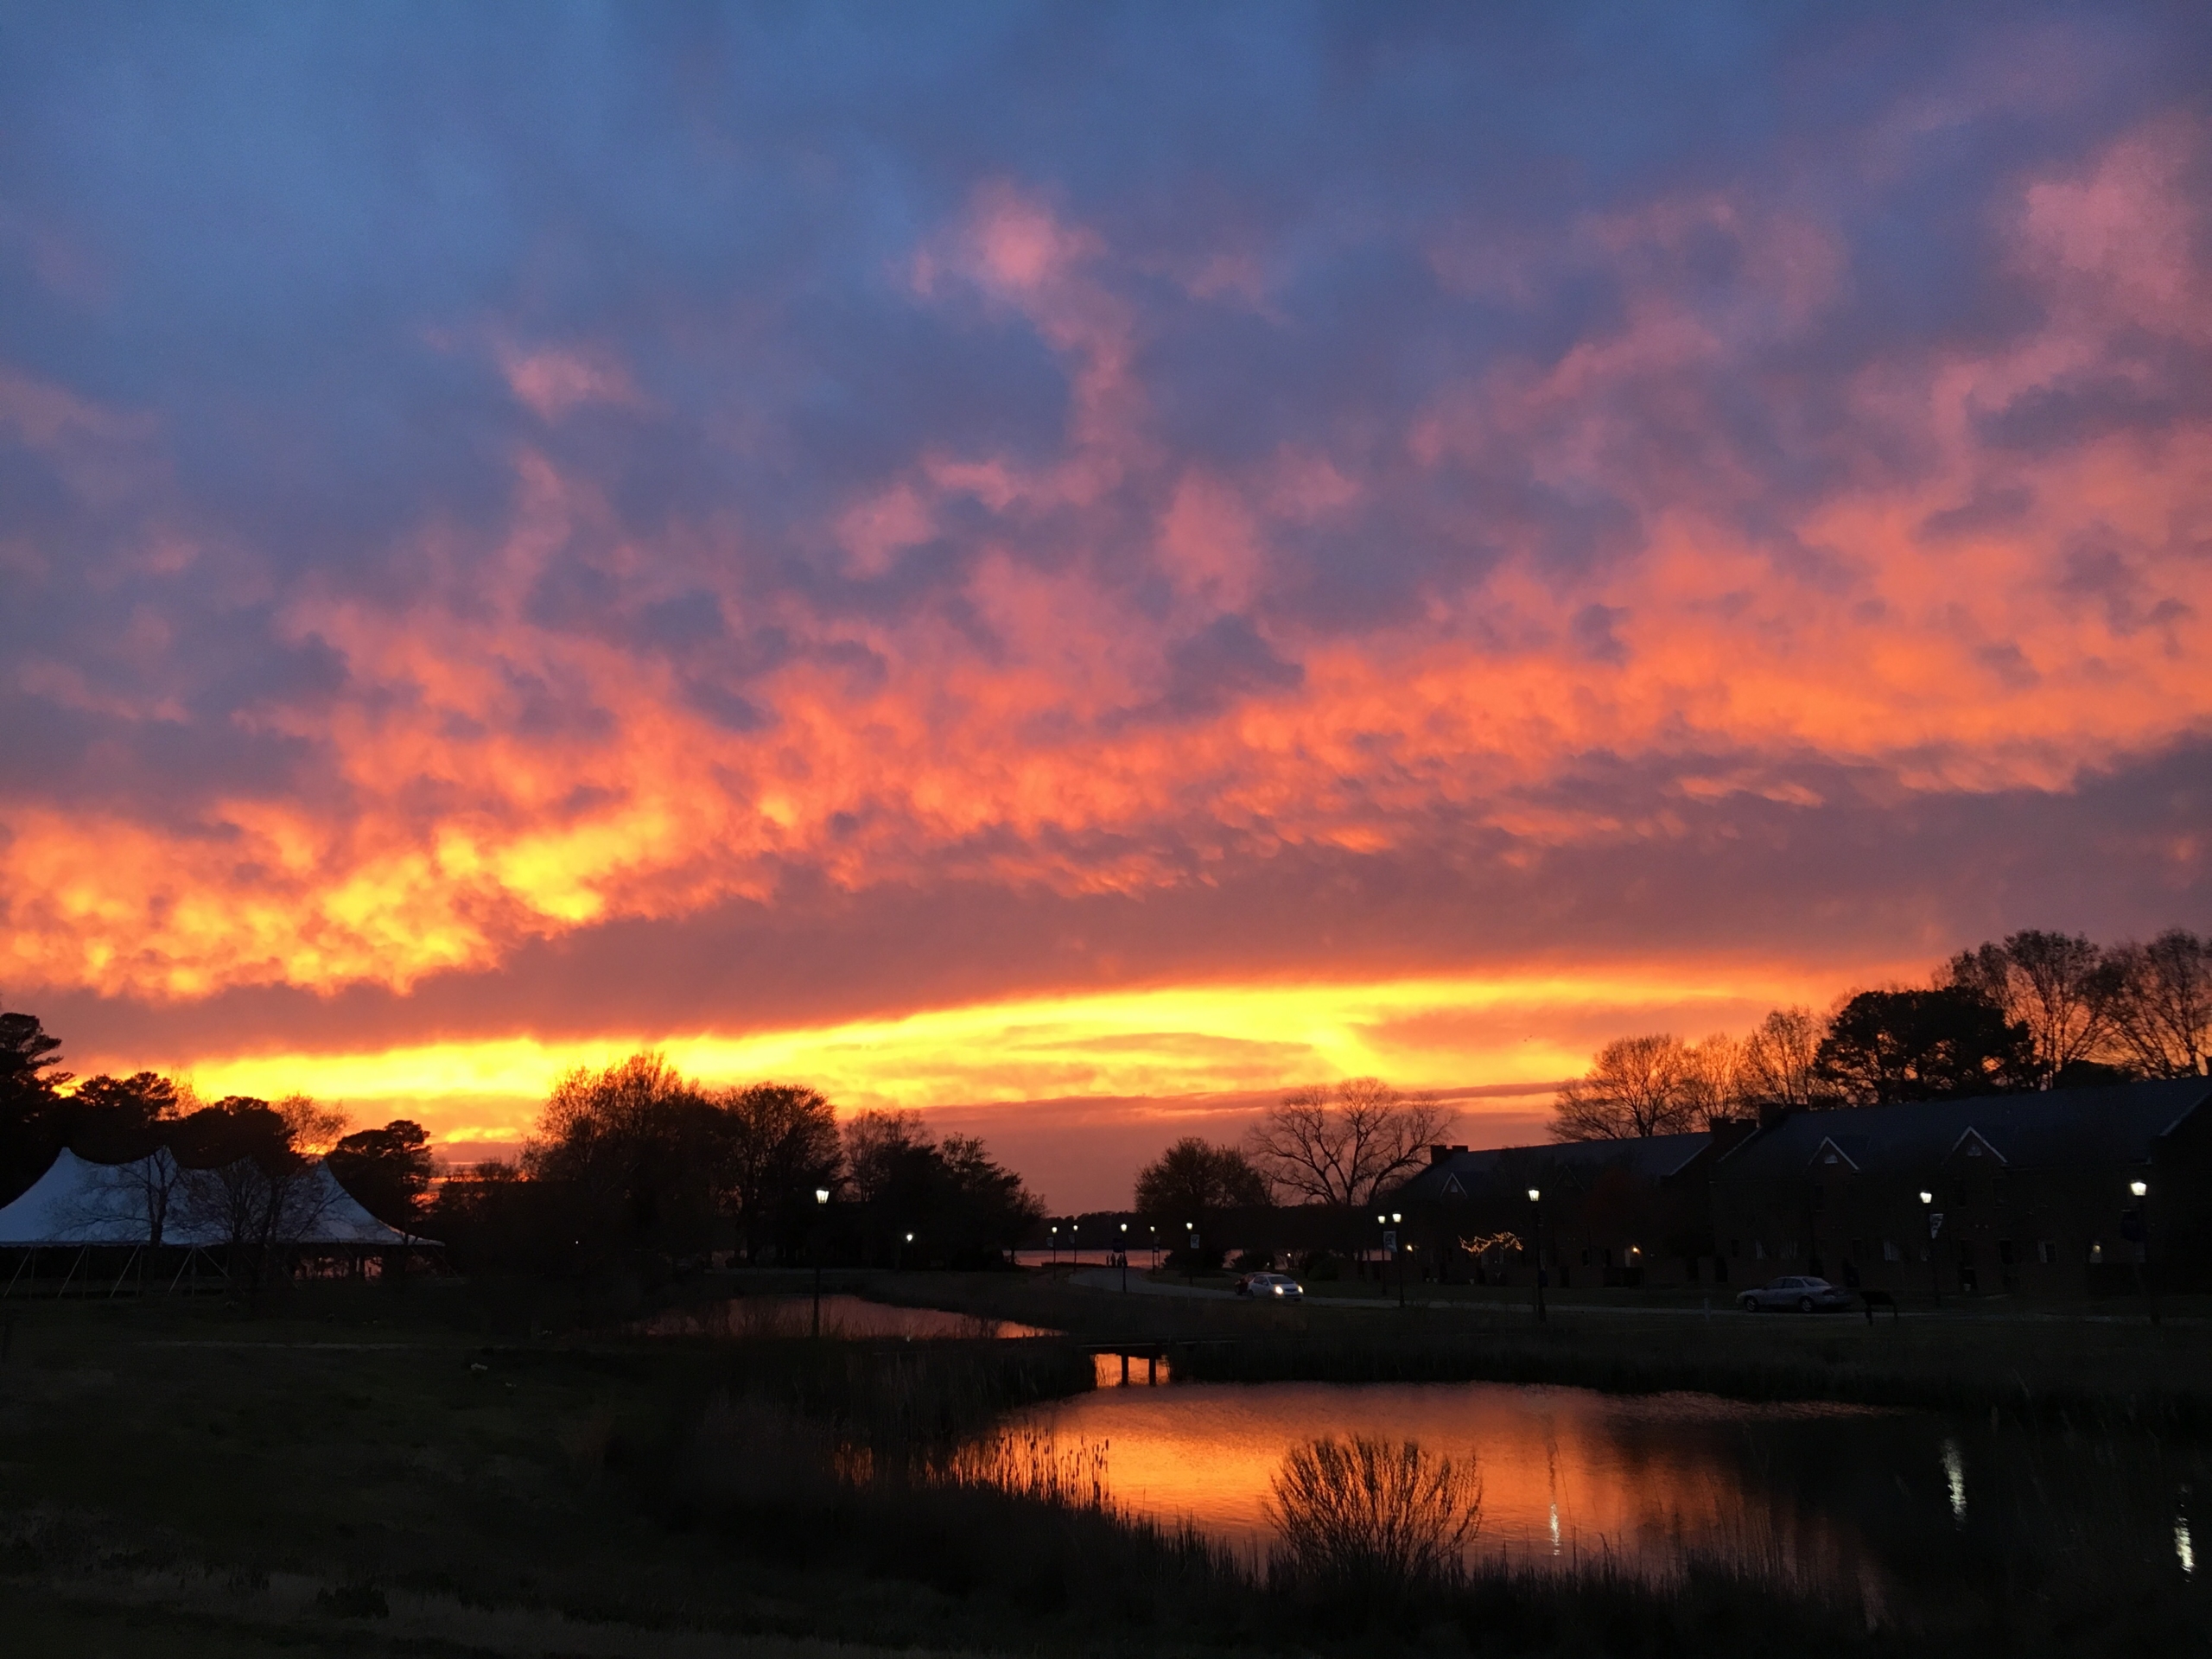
(1871, 1503)
(848, 1318)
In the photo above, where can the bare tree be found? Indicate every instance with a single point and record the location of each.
(138, 1196)
(265, 1195)
(1339, 1144)
(1776, 1067)
(2161, 1006)
(1712, 1079)
(1635, 1087)
(2055, 984)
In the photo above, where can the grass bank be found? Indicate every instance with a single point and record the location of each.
(2086, 1370)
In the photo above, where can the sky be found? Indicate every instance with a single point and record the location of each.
(1078, 566)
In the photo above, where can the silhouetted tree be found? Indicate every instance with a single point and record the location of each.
(32, 1127)
(1191, 1181)
(2056, 986)
(629, 1154)
(387, 1171)
(1340, 1144)
(1636, 1086)
(1778, 1064)
(777, 1142)
(250, 1178)
(1884, 1046)
(962, 1208)
(114, 1119)
(2161, 1006)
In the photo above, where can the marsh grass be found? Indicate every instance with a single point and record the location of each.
(1365, 1523)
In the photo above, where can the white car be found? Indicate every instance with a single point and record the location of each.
(1280, 1287)
(1806, 1295)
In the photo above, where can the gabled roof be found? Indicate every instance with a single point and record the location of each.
(1575, 1163)
(1828, 1153)
(2117, 1123)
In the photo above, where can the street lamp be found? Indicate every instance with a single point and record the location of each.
(1398, 1249)
(1125, 1258)
(901, 1262)
(1934, 1271)
(1536, 1198)
(2141, 1189)
(821, 1203)
(1054, 1258)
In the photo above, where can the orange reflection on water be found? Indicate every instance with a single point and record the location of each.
(1569, 1477)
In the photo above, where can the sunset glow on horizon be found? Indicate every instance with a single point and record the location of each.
(851, 554)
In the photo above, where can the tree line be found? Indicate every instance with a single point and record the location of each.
(631, 1159)
(635, 1159)
(2035, 1010)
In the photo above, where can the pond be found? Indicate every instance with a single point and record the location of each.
(1864, 1501)
(849, 1318)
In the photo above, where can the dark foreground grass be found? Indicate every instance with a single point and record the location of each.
(454, 1469)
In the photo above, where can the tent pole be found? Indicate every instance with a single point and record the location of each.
(72, 1274)
(190, 1250)
(27, 1256)
(124, 1274)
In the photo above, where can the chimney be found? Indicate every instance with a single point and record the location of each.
(1442, 1154)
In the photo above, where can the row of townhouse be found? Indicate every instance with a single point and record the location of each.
(2058, 1194)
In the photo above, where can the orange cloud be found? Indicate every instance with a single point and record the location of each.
(495, 778)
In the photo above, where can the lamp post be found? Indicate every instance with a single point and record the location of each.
(1388, 1250)
(1398, 1249)
(1536, 1198)
(2141, 1192)
(821, 1206)
(1935, 1226)
(902, 1251)
(1190, 1270)
(1154, 1229)
(1125, 1258)
(1054, 1259)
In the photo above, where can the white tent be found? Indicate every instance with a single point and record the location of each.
(80, 1202)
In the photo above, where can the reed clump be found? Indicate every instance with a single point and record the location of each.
(1365, 1524)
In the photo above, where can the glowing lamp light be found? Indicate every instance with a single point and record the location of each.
(910, 1238)
(822, 1195)
(1928, 1198)
(2138, 1188)
(1395, 1217)
(1534, 1195)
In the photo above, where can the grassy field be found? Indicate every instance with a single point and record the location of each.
(453, 1469)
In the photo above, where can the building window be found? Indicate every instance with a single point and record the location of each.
(1858, 1249)
(1759, 1250)
(2005, 1252)
(1891, 1252)
(1736, 1247)
(2096, 1251)
(2046, 1250)
(1820, 1198)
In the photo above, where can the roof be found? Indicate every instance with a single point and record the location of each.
(1650, 1158)
(2115, 1124)
(78, 1201)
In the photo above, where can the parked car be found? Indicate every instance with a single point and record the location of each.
(1806, 1295)
(1280, 1285)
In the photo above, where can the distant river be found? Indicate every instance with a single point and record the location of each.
(1856, 1499)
